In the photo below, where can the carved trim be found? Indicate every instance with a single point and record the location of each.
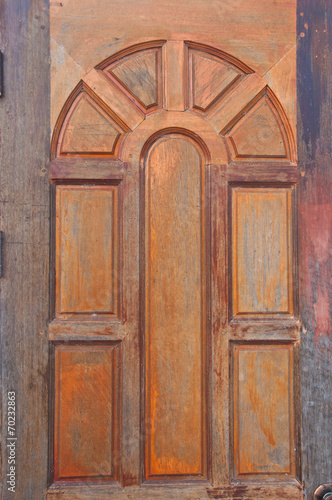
(180, 131)
(221, 55)
(59, 123)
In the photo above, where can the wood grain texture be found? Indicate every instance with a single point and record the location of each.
(24, 153)
(139, 73)
(258, 134)
(218, 318)
(210, 78)
(267, 171)
(223, 116)
(88, 169)
(174, 71)
(86, 413)
(87, 329)
(87, 267)
(89, 130)
(89, 32)
(263, 410)
(188, 123)
(175, 310)
(281, 78)
(66, 73)
(112, 96)
(24, 308)
(314, 84)
(254, 491)
(262, 268)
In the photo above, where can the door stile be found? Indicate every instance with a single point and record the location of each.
(219, 331)
(130, 394)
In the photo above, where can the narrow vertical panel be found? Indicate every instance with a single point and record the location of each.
(86, 423)
(175, 79)
(87, 249)
(263, 410)
(175, 310)
(262, 251)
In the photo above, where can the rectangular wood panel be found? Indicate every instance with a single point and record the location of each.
(262, 251)
(87, 250)
(86, 420)
(175, 311)
(263, 410)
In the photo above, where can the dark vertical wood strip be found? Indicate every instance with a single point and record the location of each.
(130, 396)
(314, 89)
(220, 473)
(24, 117)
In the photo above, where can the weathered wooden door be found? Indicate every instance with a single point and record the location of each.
(175, 330)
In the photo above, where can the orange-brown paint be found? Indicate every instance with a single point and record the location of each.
(219, 128)
(175, 309)
(262, 251)
(263, 413)
(87, 250)
(86, 421)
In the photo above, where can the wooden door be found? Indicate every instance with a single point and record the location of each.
(175, 330)
(251, 30)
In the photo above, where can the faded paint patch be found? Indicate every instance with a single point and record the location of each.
(317, 265)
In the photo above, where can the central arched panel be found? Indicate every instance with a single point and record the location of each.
(175, 309)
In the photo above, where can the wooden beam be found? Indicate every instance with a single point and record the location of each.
(25, 133)
(314, 83)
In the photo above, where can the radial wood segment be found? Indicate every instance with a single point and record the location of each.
(89, 130)
(222, 116)
(140, 75)
(267, 143)
(261, 130)
(211, 75)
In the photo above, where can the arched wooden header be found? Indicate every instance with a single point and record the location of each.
(219, 94)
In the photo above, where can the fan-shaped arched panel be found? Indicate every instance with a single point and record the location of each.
(123, 90)
(89, 127)
(261, 130)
